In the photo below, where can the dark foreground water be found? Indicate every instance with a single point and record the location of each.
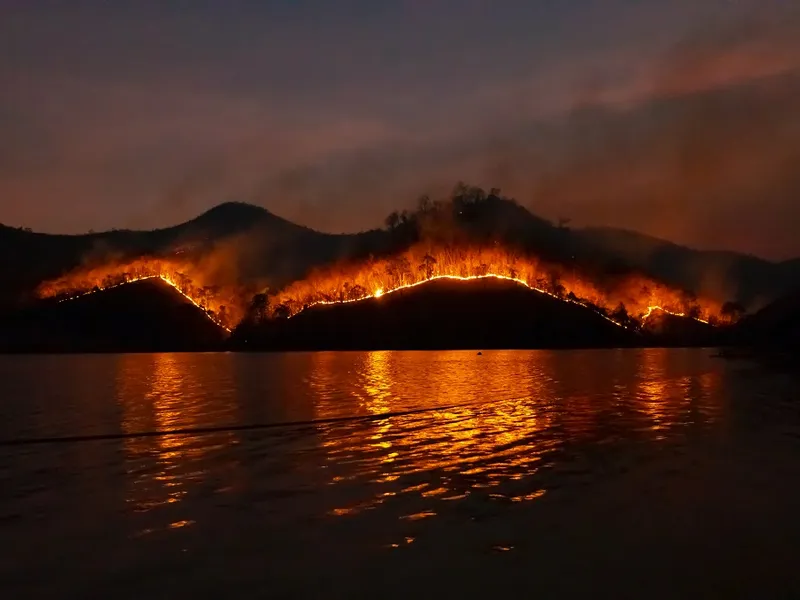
(630, 473)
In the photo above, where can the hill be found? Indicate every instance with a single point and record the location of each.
(142, 316)
(776, 326)
(255, 245)
(664, 329)
(39, 256)
(441, 314)
(717, 274)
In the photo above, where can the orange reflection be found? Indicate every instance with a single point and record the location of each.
(654, 387)
(479, 432)
(463, 424)
(164, 392)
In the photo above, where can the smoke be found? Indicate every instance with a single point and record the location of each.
(699, 147)
(695, 145)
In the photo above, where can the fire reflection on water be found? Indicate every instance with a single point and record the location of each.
(440, 431)
(160, 393)
(496, 424)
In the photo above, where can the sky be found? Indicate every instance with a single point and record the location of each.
(678, 118)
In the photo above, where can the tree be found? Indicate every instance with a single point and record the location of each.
(404, 269)
(733, 311)
(357, 292)
(282, 311)
(689, 302)
(694, 312)
(259, 306)
(427, 266)
(620, 314)
(393, 220)
(424, 204)
(555, 287)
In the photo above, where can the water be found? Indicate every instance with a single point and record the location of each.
(628, 472)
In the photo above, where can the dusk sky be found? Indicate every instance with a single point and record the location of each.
(677, 118)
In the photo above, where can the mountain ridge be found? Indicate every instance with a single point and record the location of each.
(272, 246)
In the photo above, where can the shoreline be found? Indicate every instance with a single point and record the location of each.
(286, 350)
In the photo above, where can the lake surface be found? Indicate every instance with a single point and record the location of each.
(626, 473)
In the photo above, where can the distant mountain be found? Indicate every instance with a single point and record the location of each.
(750, 280)
(250, 243)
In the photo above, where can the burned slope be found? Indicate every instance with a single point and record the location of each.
(442, 314)
(146, 316)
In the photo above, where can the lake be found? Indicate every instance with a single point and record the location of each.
(628, 473)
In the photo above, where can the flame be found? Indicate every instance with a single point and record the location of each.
(654, 309)
(222, 308)
(640, 296)
(627, 301)
(379, 292)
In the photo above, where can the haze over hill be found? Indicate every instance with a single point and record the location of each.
(230, 240)
(238, 244)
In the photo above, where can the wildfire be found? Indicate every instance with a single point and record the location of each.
(220, 305)
(380, 292)
(654, 309)
(627, 301)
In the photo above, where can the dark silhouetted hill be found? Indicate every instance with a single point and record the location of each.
(721, 275)
(438, 315)
(143, 316)
(775, 327)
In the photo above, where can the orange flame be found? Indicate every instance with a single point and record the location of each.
(221, 305)
(374, 278)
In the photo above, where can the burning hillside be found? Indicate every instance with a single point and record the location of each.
(442, 313)
(222, 304)
(626, 300)
(146, 315)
